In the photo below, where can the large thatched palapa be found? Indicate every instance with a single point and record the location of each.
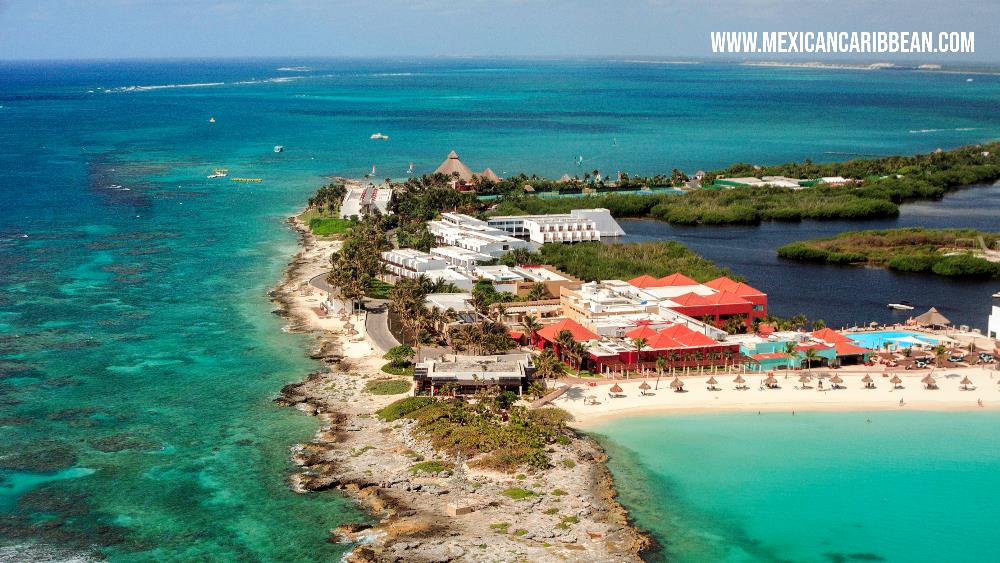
(931, 318)
(453, 165)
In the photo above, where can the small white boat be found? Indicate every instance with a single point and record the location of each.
(278, 148)
(219, 173)
(211, 120)
(380, 137)
(996, 295)
(900, 306)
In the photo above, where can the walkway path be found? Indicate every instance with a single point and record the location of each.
(376, 316)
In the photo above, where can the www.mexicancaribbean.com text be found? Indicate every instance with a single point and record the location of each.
(843, 42)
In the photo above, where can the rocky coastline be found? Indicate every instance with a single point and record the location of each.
(457, 514)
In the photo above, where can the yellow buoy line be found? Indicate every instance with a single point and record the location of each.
(252, 180)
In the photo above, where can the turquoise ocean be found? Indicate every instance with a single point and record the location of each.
(139, 354)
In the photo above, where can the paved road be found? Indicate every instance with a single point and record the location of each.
(376, 316)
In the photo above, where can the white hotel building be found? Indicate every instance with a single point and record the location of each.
(467, 232)
(411, 263)
(579, 225)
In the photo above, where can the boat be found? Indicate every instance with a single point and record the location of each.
(380, 137)
(211, 120)
(996, 295)
(278, 148)
(219, 173)
(901, 306)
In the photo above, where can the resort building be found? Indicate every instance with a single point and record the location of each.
(521, 280)
(360, 201)
(579, 225)
(717, 301)
(467, 374)
(769, 351)
(460, 257)
(467, 232)
(411, 263)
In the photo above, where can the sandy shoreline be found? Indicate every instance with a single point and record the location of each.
(697, 399)
(574, 517)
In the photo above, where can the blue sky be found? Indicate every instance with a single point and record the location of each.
(64, 29)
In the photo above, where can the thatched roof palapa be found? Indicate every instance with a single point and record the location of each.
(931, 318)
(867, 379)
(739, 379)
(711, 380)
(895, 380)
(644, 386)
(616, 388)
(488, 174)
(453, 164)
(677, 383)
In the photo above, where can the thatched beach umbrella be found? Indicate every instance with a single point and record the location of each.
(677, 384)
(895, 381)
(739, 380)
(804, 379)
(615, 389)
(644, 386)
(929, 381)
(770, 381)
(965, 383)
(836, 379)
(711, 380)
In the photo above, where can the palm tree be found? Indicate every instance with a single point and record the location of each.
(639, 344)
(565, 342)
(940, 352)
(531, 325)
(811, 355)
(548, 366)
(661, 366)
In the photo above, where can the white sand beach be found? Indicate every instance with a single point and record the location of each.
(789, 396)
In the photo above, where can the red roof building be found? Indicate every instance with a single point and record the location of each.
(551, 333)
(830, 335)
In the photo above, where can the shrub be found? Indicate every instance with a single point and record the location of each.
(387, 386)
(398, 369)
(403, 407)
(965, 265)
(518, 493)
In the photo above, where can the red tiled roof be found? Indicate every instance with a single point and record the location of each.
(732, 286)
(662, 342)
(830, 335)
(686, 336)
(726, 298)
(815, 345)
(691, 300)
(644, 281)
(769, 356)
(848, 349)
(580, 334)
(644, 331)
(764, 328)
(516, 334)
(676, 279)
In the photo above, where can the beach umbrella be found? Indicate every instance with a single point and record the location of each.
(965, 383)
(711, 381)
(770, 380)
(739, 380)
(929, 381)
(677, 384)
(804, 379)
(616, 388)
(836, 379)
(644, 386)
(895, 381)
(867, 379)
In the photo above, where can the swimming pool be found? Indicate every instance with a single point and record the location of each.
(874, 340)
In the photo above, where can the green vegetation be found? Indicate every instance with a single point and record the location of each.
(517, 493)
(567, 522)
(378, 289)
(501, 527)
(402, 369)
(329, 226)
(356, 266)
(945, 252)
(882, 184)
(597, 261)
(432, 467)
(387, 386)
(403, 408)
(491, 432)
(520, 532)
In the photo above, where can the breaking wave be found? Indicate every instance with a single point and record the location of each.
(940, 130)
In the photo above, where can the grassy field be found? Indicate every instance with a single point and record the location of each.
(324, 225)
(945, 252)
